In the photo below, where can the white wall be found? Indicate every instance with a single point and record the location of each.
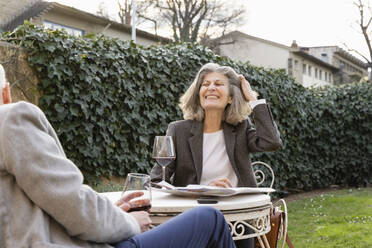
(312, 80)
(114, 33)
(256, 52)
(90, 27)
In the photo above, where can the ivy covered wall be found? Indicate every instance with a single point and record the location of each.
(107, 99)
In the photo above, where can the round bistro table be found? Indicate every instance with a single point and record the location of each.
(242, 212)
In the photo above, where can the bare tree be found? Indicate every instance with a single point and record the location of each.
(143, 12)
(125, 9)
(102, 10)
(198, 20)
(187, 20)
(364, 23)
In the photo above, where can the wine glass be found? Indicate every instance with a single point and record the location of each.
(163, 151)
(137, 182)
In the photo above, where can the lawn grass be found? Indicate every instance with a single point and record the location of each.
(341, 218)
(108, 187)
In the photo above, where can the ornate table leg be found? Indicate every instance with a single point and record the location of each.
(260, 226)
(265, 240)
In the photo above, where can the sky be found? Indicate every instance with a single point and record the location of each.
(309, 22)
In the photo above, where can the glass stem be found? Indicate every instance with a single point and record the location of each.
(163, 167)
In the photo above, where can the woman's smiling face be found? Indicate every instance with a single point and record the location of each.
(214, 92)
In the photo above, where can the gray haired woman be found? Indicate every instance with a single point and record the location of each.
(214, 142)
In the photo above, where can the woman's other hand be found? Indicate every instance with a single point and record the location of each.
(249, 94)
(223, 183)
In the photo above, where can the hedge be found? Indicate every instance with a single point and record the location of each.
(107, 99)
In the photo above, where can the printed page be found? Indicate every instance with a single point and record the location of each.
(203, 190)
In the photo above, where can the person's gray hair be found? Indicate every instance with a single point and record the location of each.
(2, 83)
(235, 112)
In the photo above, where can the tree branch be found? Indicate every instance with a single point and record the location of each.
(356, 51)
(364, 29)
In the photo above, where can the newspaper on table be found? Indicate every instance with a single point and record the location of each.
(203, 190)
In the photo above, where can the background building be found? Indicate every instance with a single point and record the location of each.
(350, 68)
(305, 66)
(76, 22)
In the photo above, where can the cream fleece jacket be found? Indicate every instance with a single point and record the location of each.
(43, 201)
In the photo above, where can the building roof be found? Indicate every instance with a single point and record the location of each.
(314, 59)
(238, 33)
(342, 53)
(39, 8)
(298, 51)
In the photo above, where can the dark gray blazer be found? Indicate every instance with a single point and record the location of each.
(240, 140)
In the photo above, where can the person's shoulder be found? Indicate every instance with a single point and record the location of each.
(20, 109)
(181, 123)
(25, 107)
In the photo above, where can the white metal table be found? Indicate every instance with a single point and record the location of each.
(242, 212)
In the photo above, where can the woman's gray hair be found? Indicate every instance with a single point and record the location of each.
(235, 112)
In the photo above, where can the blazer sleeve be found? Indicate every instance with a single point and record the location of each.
(266, 136)
(33, 155)
(157, 171)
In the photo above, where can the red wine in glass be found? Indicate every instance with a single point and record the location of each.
(134, 183)
(164, 161)
(142, 208)
(163, 151)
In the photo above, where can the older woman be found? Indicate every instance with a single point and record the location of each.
(214, 141)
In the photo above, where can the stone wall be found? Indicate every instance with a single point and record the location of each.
(22, 78)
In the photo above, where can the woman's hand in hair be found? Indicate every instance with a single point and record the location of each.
(249, 94)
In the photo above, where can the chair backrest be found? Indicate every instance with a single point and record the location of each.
(264, 174)
(265, 178)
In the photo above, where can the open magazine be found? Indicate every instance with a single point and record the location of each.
(203, 190)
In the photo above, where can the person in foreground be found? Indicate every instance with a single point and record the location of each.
(44, 203)
(214, 141)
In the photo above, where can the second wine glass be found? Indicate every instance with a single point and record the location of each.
(163, 151)
(135, 183)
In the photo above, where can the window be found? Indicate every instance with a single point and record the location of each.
(69, 30)
(290, 63)
(326, 76)
(296, 65)
(304, 68)
(309, 70)
(316, 72)
(290, 66)
(320, 74)
(330, 77)
(324, 57)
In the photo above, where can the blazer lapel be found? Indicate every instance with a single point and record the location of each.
(230, 140)
(196, 147)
